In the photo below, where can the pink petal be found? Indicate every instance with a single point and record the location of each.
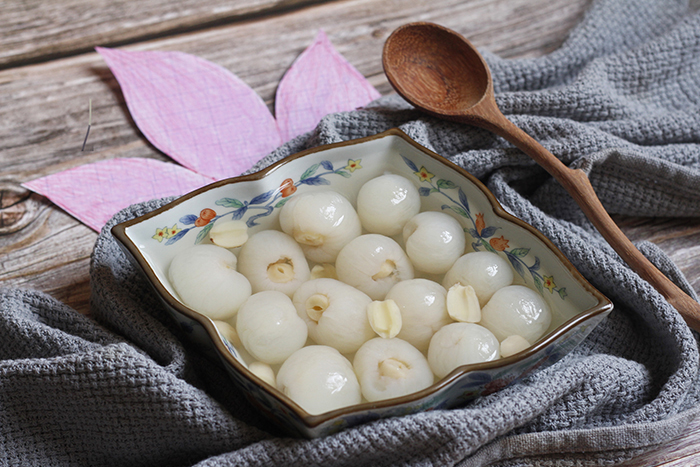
(196, 112)
(93, 193)
(319, 82)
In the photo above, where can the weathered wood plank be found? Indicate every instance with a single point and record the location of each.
(679, 238)
(32, 30)
(50, 254)
(682, 451)
(43, 107)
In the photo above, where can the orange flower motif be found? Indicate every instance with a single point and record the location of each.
(480, 224)
(287, 187)
(548, 283)
(499, 244)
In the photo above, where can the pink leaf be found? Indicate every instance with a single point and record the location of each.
(196, 112)
(319, 82)
(93, 193)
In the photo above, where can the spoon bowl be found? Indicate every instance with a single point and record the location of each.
(440, 72)
(433, 72)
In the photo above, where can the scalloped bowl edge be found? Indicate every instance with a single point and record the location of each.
(344, 166)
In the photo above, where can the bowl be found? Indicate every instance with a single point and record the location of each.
(152, 240)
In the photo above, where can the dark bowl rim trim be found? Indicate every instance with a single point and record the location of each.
(311, 421)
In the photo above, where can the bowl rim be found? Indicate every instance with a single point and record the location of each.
(311, 421)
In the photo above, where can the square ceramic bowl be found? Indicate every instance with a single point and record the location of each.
(152, 240)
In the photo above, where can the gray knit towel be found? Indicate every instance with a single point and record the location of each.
(619, 99)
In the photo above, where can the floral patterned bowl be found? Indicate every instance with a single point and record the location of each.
(152, 240)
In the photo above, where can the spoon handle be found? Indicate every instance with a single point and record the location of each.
(578, 185)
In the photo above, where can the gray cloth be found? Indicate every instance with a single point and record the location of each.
(618, 99)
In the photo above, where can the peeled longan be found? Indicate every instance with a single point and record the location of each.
(423, 310)
(272, 260)
(206, 280)
(486, 272)
(319, 379)
(434, 241)
(334, 313)
(460, 344)
(390, 368)
(322, 222)
(269, 327)
(386, 203)
(516, 310)
(373, 263)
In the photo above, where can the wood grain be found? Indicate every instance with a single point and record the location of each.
(678, 238)
(682, 451)
(416, 53)
(44, 108)
(36, 30)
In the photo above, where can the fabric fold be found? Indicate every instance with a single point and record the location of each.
(633, 384)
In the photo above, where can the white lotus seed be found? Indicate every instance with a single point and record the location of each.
(385, 318)
(512, 345)
(460, 344)
(272, 260)
(516, 309)
(319, 379)
(486, 272)
(423, 310)
(386, 203)
(334, 313)
(269, 327)
(229, 234)
(434, 241)
(263, 371)
(373, 263)
(463, 304)
(206, 280)
(322, 222)
(390, 368)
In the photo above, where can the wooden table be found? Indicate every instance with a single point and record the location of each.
(49, 71)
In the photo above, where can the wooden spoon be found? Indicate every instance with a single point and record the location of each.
(441, 73)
